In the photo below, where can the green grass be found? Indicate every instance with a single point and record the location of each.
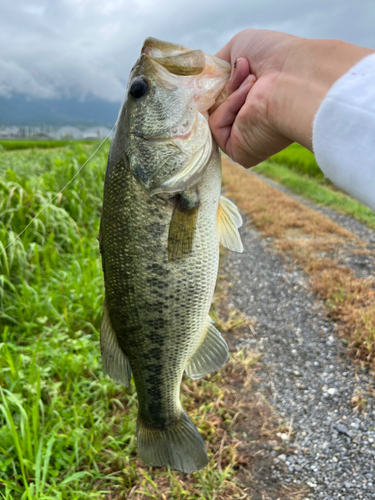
(14, 144)
(66, 430)
(315, 188)
(300, 160)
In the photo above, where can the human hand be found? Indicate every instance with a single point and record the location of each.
(287, 78)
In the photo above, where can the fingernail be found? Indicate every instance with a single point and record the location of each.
(246, 81)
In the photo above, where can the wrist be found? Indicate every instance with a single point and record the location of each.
(310, 69)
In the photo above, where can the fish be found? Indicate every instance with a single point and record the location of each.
(162, 219)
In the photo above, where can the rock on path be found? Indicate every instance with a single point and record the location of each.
(306, 376)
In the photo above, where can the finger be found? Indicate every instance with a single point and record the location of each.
(222, 118)
(240, 71)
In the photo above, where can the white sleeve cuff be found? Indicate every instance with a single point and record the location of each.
(344, 132)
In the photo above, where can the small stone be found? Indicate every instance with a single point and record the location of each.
(343, 430)
(282, 457)
(332, 391)
(271, 445)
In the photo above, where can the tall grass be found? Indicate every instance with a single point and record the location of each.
(53, 403)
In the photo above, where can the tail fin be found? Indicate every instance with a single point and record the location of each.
(179, 446)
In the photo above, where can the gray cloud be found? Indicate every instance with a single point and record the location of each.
(81, 47)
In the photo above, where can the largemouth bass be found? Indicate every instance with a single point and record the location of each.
(162, 220)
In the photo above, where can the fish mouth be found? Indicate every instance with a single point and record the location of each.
(176, 66)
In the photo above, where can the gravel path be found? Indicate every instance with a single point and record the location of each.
(306, 377)
(362, 264)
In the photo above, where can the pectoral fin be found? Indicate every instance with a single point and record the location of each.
(211, 354)
(229, 220)
(182, 227)
(115, 362)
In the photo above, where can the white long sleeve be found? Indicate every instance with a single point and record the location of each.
(344, 132)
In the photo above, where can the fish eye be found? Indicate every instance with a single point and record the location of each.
(138, 88)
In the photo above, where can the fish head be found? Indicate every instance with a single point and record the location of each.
(163, 124)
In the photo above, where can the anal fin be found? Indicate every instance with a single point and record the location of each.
(211, 354)
(115, 362)
(229, 220)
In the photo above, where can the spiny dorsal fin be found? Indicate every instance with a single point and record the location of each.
(211, 354)
(229, 220)
(115, 362)
(182, 227)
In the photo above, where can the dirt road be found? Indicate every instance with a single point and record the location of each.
(323, 399)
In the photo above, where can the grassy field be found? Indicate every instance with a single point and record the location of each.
(296, 168)
(13, 144)
(66, 430)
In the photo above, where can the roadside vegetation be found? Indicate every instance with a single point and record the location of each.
(295, 168)
(318, 245)
(66, 430)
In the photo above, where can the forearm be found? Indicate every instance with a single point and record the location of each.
(309, 70)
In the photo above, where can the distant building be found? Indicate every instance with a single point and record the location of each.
(50, 132)
(96, 133)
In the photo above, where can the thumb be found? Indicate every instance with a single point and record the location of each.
(223, 117)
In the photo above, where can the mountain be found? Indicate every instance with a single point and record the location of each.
(20, 109)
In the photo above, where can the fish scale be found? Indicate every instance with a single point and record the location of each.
(160, 251)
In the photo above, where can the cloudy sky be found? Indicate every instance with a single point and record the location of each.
(54, 48)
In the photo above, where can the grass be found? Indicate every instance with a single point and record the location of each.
(316, 243)
(299, 159)
(53, 406)
(66, 430)
(295, 168)
(15, 144)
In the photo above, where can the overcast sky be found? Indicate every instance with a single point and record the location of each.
(54, 48)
